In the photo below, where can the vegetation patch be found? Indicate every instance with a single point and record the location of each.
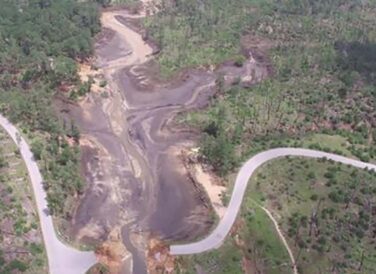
(98, 269)
(325, 211)
(192, 34)
(321, 96)
(41, 43)
(21, 244)
(323, 82)
(253, 245)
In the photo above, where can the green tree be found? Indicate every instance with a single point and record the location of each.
(37, 147)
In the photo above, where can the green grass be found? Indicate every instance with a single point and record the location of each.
(332, 142)
(253, 244)
(260, 235)
(227, 260)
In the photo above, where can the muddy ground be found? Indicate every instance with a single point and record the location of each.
(136, 181)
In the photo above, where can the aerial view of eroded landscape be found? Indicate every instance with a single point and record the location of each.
(187, 136)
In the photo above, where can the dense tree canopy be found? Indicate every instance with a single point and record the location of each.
(41, 41)
(38, 37)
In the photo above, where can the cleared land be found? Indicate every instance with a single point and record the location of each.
(21, 245)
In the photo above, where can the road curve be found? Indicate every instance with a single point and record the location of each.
(62, 259)
(216, 238)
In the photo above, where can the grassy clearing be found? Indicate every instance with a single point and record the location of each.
(254, 245)
(262, 245)
(21, 244)
(227, 259)
(329, 142)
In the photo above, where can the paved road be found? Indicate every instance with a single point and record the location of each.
(62, 259)
(215, 239)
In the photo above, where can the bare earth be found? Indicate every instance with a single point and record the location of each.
(135, 181)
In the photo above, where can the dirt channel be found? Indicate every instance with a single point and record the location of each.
(130, 146)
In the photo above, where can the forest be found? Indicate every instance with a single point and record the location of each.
(41, 41)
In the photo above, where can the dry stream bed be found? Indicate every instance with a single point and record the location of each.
(138, 186)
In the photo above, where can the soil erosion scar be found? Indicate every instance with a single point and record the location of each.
(136, 179)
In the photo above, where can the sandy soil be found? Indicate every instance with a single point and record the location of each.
(204, 175)
(213, 190)
(86, 72)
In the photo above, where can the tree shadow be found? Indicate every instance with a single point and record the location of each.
(359, 57)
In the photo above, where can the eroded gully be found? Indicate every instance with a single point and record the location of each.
(130, 147)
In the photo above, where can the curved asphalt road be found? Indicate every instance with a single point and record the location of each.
(62, 259)
(215, 239)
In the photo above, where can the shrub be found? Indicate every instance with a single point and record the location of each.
(239, 60)
(17, 265)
